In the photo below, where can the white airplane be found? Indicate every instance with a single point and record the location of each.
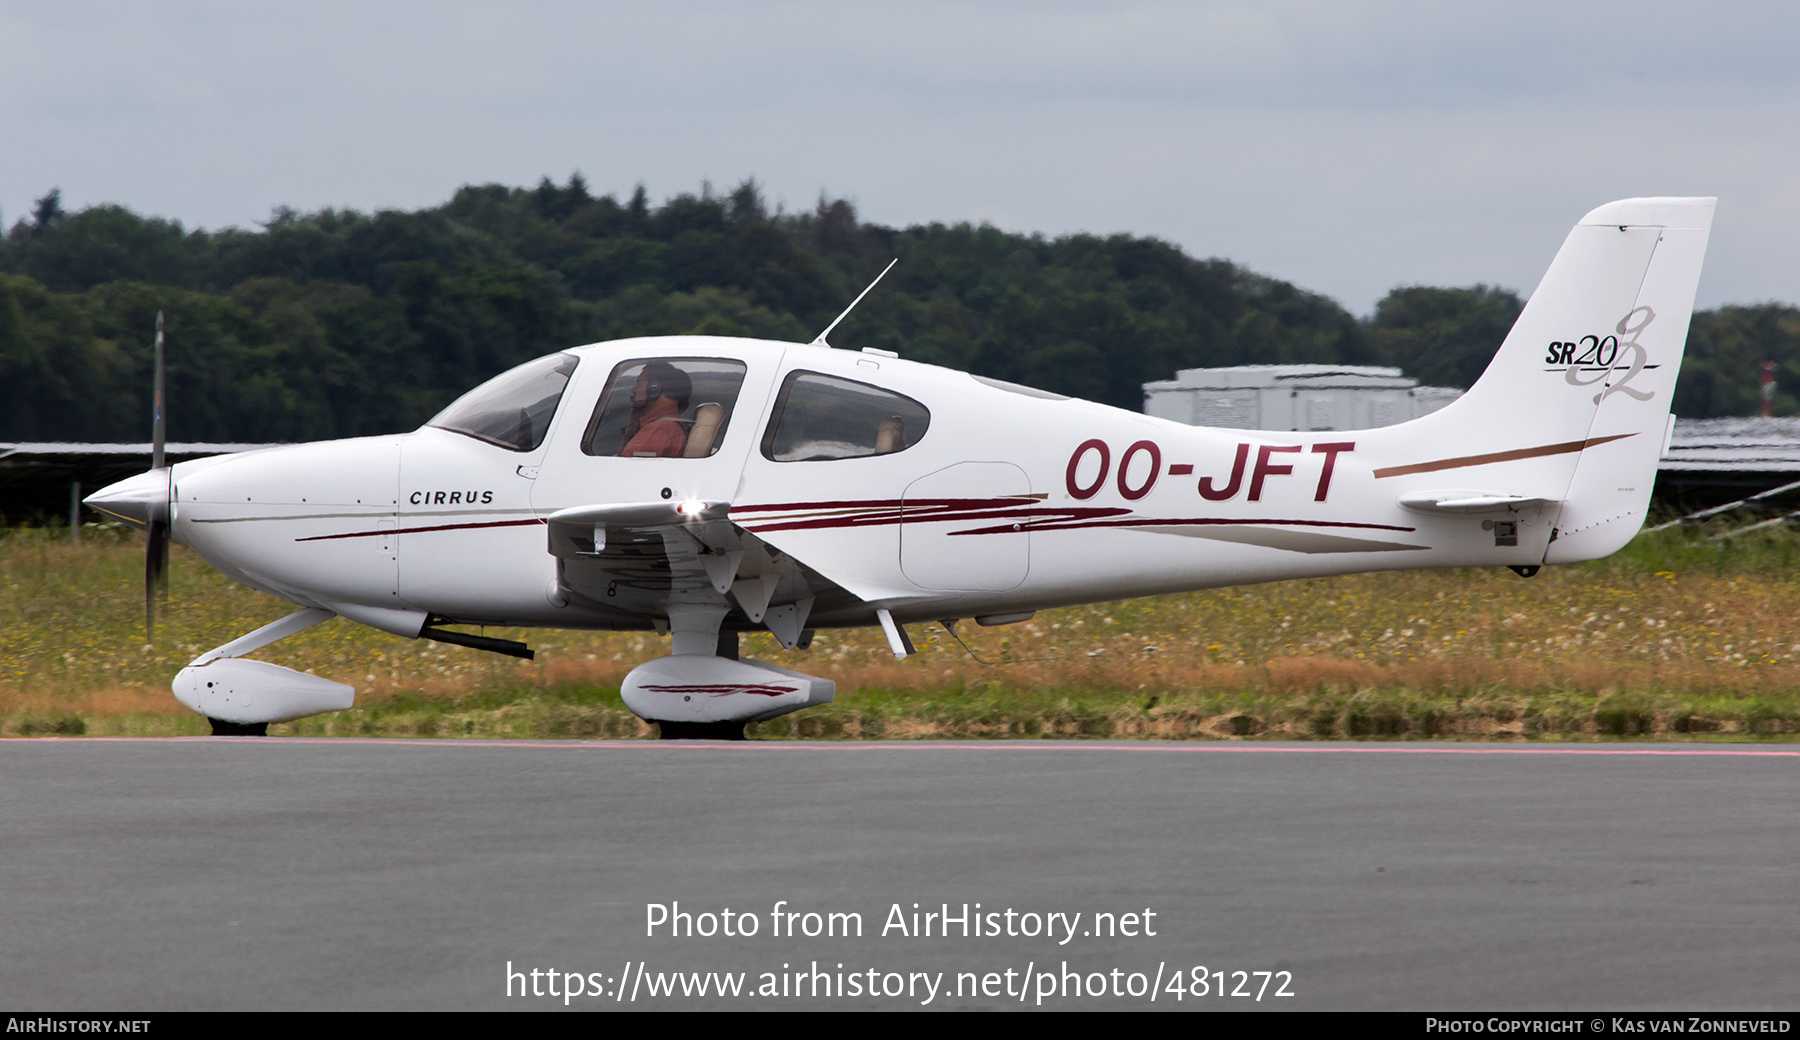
(706, 487)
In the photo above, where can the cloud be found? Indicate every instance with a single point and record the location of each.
(1348, 147)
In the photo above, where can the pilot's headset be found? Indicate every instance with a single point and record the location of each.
(665, 380)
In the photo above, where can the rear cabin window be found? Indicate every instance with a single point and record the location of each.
(513, 409)
(820, 417)
(665, 408)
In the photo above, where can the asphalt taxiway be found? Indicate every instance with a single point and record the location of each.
(314, 874)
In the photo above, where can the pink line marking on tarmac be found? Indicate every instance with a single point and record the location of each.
(973, 745)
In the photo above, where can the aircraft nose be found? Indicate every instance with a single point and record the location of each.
(135, 499)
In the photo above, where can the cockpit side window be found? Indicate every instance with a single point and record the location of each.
(665, 408)
(820, 417)
(513, 409)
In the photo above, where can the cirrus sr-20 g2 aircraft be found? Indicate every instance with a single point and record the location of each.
(705, 487)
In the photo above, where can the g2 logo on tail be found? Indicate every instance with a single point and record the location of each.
(1602, 355)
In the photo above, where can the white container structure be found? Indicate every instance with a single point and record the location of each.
(1293, 397)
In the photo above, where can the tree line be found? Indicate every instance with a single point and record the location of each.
(338, 323)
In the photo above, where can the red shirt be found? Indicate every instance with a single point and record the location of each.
(659, 432)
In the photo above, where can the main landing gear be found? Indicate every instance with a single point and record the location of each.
(730, 729)
(703, 691)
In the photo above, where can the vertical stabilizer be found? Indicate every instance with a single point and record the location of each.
(1573, 409)
(1631, 381)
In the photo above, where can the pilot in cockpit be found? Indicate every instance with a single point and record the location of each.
(655, 428)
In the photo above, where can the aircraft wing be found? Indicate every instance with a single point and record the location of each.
(633, 560)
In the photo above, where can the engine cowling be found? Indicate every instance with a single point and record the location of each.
(694, 688)
(238, 690)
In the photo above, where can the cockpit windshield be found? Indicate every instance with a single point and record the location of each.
(513, 409)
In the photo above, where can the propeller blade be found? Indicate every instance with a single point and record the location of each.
(157, 425)
(156, 548)
(156, 573)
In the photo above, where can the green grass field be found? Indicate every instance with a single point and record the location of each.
(1679, 636)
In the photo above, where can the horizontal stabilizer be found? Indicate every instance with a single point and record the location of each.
(1467, 503)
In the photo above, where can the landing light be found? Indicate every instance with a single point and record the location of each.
(692, 507)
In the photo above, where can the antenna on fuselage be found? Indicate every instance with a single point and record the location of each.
(820, 340)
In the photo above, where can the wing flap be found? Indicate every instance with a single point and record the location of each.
(632, 560)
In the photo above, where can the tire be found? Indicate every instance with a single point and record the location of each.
(221, 728)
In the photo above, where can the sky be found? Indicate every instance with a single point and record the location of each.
(1349, 147)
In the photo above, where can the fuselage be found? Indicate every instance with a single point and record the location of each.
(1007, 499)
